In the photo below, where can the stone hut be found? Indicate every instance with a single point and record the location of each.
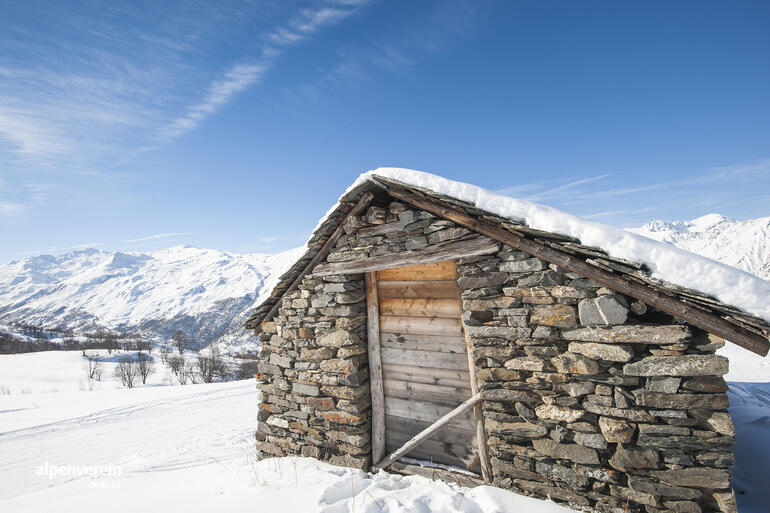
(426, 334)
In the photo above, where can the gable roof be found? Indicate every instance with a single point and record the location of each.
(716, 297)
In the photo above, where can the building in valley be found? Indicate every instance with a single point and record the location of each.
(434, 327)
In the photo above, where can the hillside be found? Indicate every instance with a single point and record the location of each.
(204, 292)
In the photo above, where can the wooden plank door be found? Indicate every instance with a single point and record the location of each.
(423, 361)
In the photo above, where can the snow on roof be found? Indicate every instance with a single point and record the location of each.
(668, 263)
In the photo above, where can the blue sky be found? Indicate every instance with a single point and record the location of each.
(236, 124)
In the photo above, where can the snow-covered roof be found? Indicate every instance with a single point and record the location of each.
(666, 263)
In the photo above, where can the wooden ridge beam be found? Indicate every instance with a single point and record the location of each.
(427, 432)
(362, 203)
(674, 306)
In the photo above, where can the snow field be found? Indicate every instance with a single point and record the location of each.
(191, 448)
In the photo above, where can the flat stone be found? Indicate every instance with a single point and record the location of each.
(279, 360)
(565, 292)
(354, 296)
(689, 443)
(647, 499)
(345, 392)
(593, 440)
(572, 363)
(488, 280)
(525, 412)
(343, 417)
(454, 232)
(726, 502)
(598, 351)
(608, 310)
(497, 374)
(487, 303)
(720, 422)
(665, 384)
(683, 506)
(416, 242)
(662, 430)
(685, 365)
(523, 266)
(338, 338)
(520, 429)
(577, 388)
(506, 332)
(701, 477)
(632, 415)
(616, 430)
(629, 457)
(680, 401)
(304, 389)
(642, 484)
(321, 403)
(573, 452)
(638, 334)
(525, 363)
(554, 315)
(277, 422)
(559, 413)
(712, 384)
(316, 355)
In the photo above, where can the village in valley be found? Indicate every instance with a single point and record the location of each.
(549, 317)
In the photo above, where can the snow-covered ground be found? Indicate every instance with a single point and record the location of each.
(191, 448)
(63, 371)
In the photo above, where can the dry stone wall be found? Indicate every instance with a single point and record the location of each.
(596, 400)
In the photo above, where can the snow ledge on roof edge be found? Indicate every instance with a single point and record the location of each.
(667, 263)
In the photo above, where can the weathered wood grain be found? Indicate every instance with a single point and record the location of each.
(418, 289)
(375, 368)
(433, 359)
(436, 394)
(420, 325)
(415, 441)
(438, 343)
(417, 374)
(430, 271)
(413, 307)
(427, 412)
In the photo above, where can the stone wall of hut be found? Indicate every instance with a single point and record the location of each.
(596, 400)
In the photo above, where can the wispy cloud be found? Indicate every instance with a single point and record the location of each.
(9, 209)
(83, 89)
(220, 92)
(560, 190)
(159, 236)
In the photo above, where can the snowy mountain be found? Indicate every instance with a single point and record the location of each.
(741, 244)
(204, 292)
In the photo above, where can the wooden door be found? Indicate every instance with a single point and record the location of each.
(424, 361)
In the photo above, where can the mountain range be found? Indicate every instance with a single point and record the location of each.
(205, 293)
(208, 293)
